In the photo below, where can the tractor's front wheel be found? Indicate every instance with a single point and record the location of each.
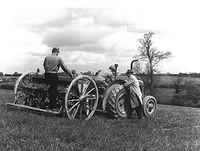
(150, 106)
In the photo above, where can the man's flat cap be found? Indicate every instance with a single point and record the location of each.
(129, 71)
(55, 50)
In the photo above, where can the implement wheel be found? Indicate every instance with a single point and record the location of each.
(81, 98)
(21, 90)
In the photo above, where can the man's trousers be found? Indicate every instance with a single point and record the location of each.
(52, 82)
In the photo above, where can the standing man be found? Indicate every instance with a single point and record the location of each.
(51, 64)
(133, 88)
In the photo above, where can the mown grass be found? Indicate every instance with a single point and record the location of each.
(174, 128)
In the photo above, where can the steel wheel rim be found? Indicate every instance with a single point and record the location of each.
(83, 101)
(20, 85)
(150, 106)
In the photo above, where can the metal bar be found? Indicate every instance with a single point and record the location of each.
(20, 106)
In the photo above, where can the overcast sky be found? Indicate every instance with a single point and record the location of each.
(95, 34)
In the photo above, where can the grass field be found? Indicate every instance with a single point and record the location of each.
(164, 95)
(174, 128)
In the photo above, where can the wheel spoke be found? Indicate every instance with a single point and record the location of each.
(74, 100)
(89, 92)
(89, 108)
(74, 114)
(76, 91)
(76, 95)
(19, 88)
(81, 87)
(73, 106)
(81, 110)
(25, 81)
(22, 82)
(21, 94)
(92, 98)
(87, 85)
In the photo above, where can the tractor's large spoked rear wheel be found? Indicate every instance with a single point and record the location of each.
(21, 90)
(81, 98)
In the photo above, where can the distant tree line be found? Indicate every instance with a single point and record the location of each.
(14, 74)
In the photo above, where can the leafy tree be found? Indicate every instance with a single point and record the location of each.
(178, 84)
(188, 95)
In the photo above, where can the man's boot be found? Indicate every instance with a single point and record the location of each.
(139, 111)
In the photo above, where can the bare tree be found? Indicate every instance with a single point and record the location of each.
(152, 55)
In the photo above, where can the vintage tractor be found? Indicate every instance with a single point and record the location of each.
(114, 101)
(78, 97)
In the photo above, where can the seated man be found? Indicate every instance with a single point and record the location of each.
(133, 87)
(51, 66)
(106, 75)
